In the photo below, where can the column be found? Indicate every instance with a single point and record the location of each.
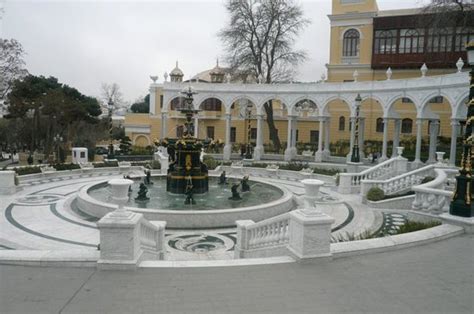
(228, 144)
(351, 145)
(259, 151)
(326, 151)
(318, 156)
(454, 137)
(164, 124)
(433, 140)
(361, 137)
(196, 126)
(385, 140)
(152, 101)
(396, 136)
(289, 138)
(293, 144)
(417, 162)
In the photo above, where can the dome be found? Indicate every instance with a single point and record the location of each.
(177, 71)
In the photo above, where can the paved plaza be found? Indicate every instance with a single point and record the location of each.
(435, 278)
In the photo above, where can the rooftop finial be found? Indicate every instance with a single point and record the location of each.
(217, 62)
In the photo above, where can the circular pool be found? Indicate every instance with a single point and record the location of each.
(212, 210)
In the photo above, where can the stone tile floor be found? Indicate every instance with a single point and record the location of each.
(43, 217)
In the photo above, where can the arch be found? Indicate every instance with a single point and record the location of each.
(211, 104)
(324, 106)
(142, 140)
(198, 101)
(305, 107)
(175, 102)
(394, 105)
(350, 43)
(461, 109)
(371, 108)
(428, 99)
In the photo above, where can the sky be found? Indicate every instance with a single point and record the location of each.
(87, 43)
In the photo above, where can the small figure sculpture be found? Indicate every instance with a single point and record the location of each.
(189, 194)
(245, 184)
(235, 193)
(222, 178)
(142, 197)
(148, 177)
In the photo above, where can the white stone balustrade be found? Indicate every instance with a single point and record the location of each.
(127, 238)
(433, 196)
(351, 182)
(397, 184)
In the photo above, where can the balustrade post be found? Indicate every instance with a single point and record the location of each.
(243, 238)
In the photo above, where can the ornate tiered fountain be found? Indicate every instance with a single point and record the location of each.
(186, 173)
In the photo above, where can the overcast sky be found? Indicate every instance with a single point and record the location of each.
(87, 43)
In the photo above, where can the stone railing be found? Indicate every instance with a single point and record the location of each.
(433, 196)
(272, 232)
(399, 184)
(351, 182)
(152, 238)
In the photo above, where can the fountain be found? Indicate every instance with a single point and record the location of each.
(186, 168)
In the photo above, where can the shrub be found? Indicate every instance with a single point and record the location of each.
(61, 167)
(375, 194)
(258, 165)
(427, 179)
(328, 172)
(210, 162)
(294, 166)
(27, 170)
(411, 226)
(105, 164)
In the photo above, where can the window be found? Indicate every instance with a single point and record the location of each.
(253, 133)
(406, 100)
(440, 40)
(436, 100)
(314, 136)
(407, 126)
(379, 125)
(210, 132)
(411, 41)
(463, 36)
(179, 131)
(83, 154)
(342, 123)
(350, 44)
(385, 42)
(233, 134)
(161, 101)
(211, 104)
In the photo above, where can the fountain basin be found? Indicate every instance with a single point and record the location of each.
(185, 218)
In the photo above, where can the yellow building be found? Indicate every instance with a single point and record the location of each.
(366, 44)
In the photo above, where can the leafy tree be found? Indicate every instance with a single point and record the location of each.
(141, 106)
(259, 40)
(125, 144)
(49, 108)
(12, 65)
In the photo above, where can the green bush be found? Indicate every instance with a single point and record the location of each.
(61, 167)
(294, 166)
(427, 179)
(210, 162)
(411, 226)
(105, 164)
(328, 172)
(258, 165)
(375, 194)
(27, 170)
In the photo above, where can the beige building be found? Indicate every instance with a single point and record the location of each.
(366, 45)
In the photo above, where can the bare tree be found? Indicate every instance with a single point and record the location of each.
(440, 14)
(259, 41)
(12, 65)
(111, 95)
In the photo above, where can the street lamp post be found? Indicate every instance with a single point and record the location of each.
(461, 205)
(57, 139)
(355, 157)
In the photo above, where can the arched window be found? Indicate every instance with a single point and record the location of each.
(411, 41)
(379, 125)
(407, 126)
(342, 123)
(385, 42)
(440, 40)
(350, 44)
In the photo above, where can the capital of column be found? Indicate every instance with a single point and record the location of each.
(164, 113)
(259, 116)
(228, 116)
(455, 122)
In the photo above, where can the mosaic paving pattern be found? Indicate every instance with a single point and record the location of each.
(392, 223)
(202, 243)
